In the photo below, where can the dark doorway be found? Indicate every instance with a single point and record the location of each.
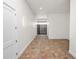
(41, 29)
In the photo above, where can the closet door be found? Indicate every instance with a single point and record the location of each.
(9, 31)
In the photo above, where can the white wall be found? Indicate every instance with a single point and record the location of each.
(58, 27)
(17, 26)
(73, 27)
(25, 26)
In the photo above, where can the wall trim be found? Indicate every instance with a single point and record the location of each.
(9, 6)
(72, 53)
(21, 52)
(9, 43)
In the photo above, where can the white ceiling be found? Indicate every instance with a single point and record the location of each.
(50, 6)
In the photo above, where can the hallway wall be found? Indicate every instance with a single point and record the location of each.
(58, 27)
(26, 32)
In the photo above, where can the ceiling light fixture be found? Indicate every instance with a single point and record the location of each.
(41, 8)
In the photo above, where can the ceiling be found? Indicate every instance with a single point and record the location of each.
(49, 6)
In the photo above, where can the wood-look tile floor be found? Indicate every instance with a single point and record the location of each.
(40, 49)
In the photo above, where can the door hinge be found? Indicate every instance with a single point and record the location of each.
(16, 41)
(16, 53)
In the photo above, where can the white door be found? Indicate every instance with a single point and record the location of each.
(9, 32)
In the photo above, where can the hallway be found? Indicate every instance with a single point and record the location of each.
(39, 29)
(43, 48)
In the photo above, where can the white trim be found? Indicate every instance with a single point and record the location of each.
(9, 8)
(73, 54)
(20, 53)
(9, 43)
(4, 3)
(10, 3)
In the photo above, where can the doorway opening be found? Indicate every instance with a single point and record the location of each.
(41, 29)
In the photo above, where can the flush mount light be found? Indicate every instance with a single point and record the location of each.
(41, 8)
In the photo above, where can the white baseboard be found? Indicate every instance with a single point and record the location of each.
(20, 53)
(73, 54)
